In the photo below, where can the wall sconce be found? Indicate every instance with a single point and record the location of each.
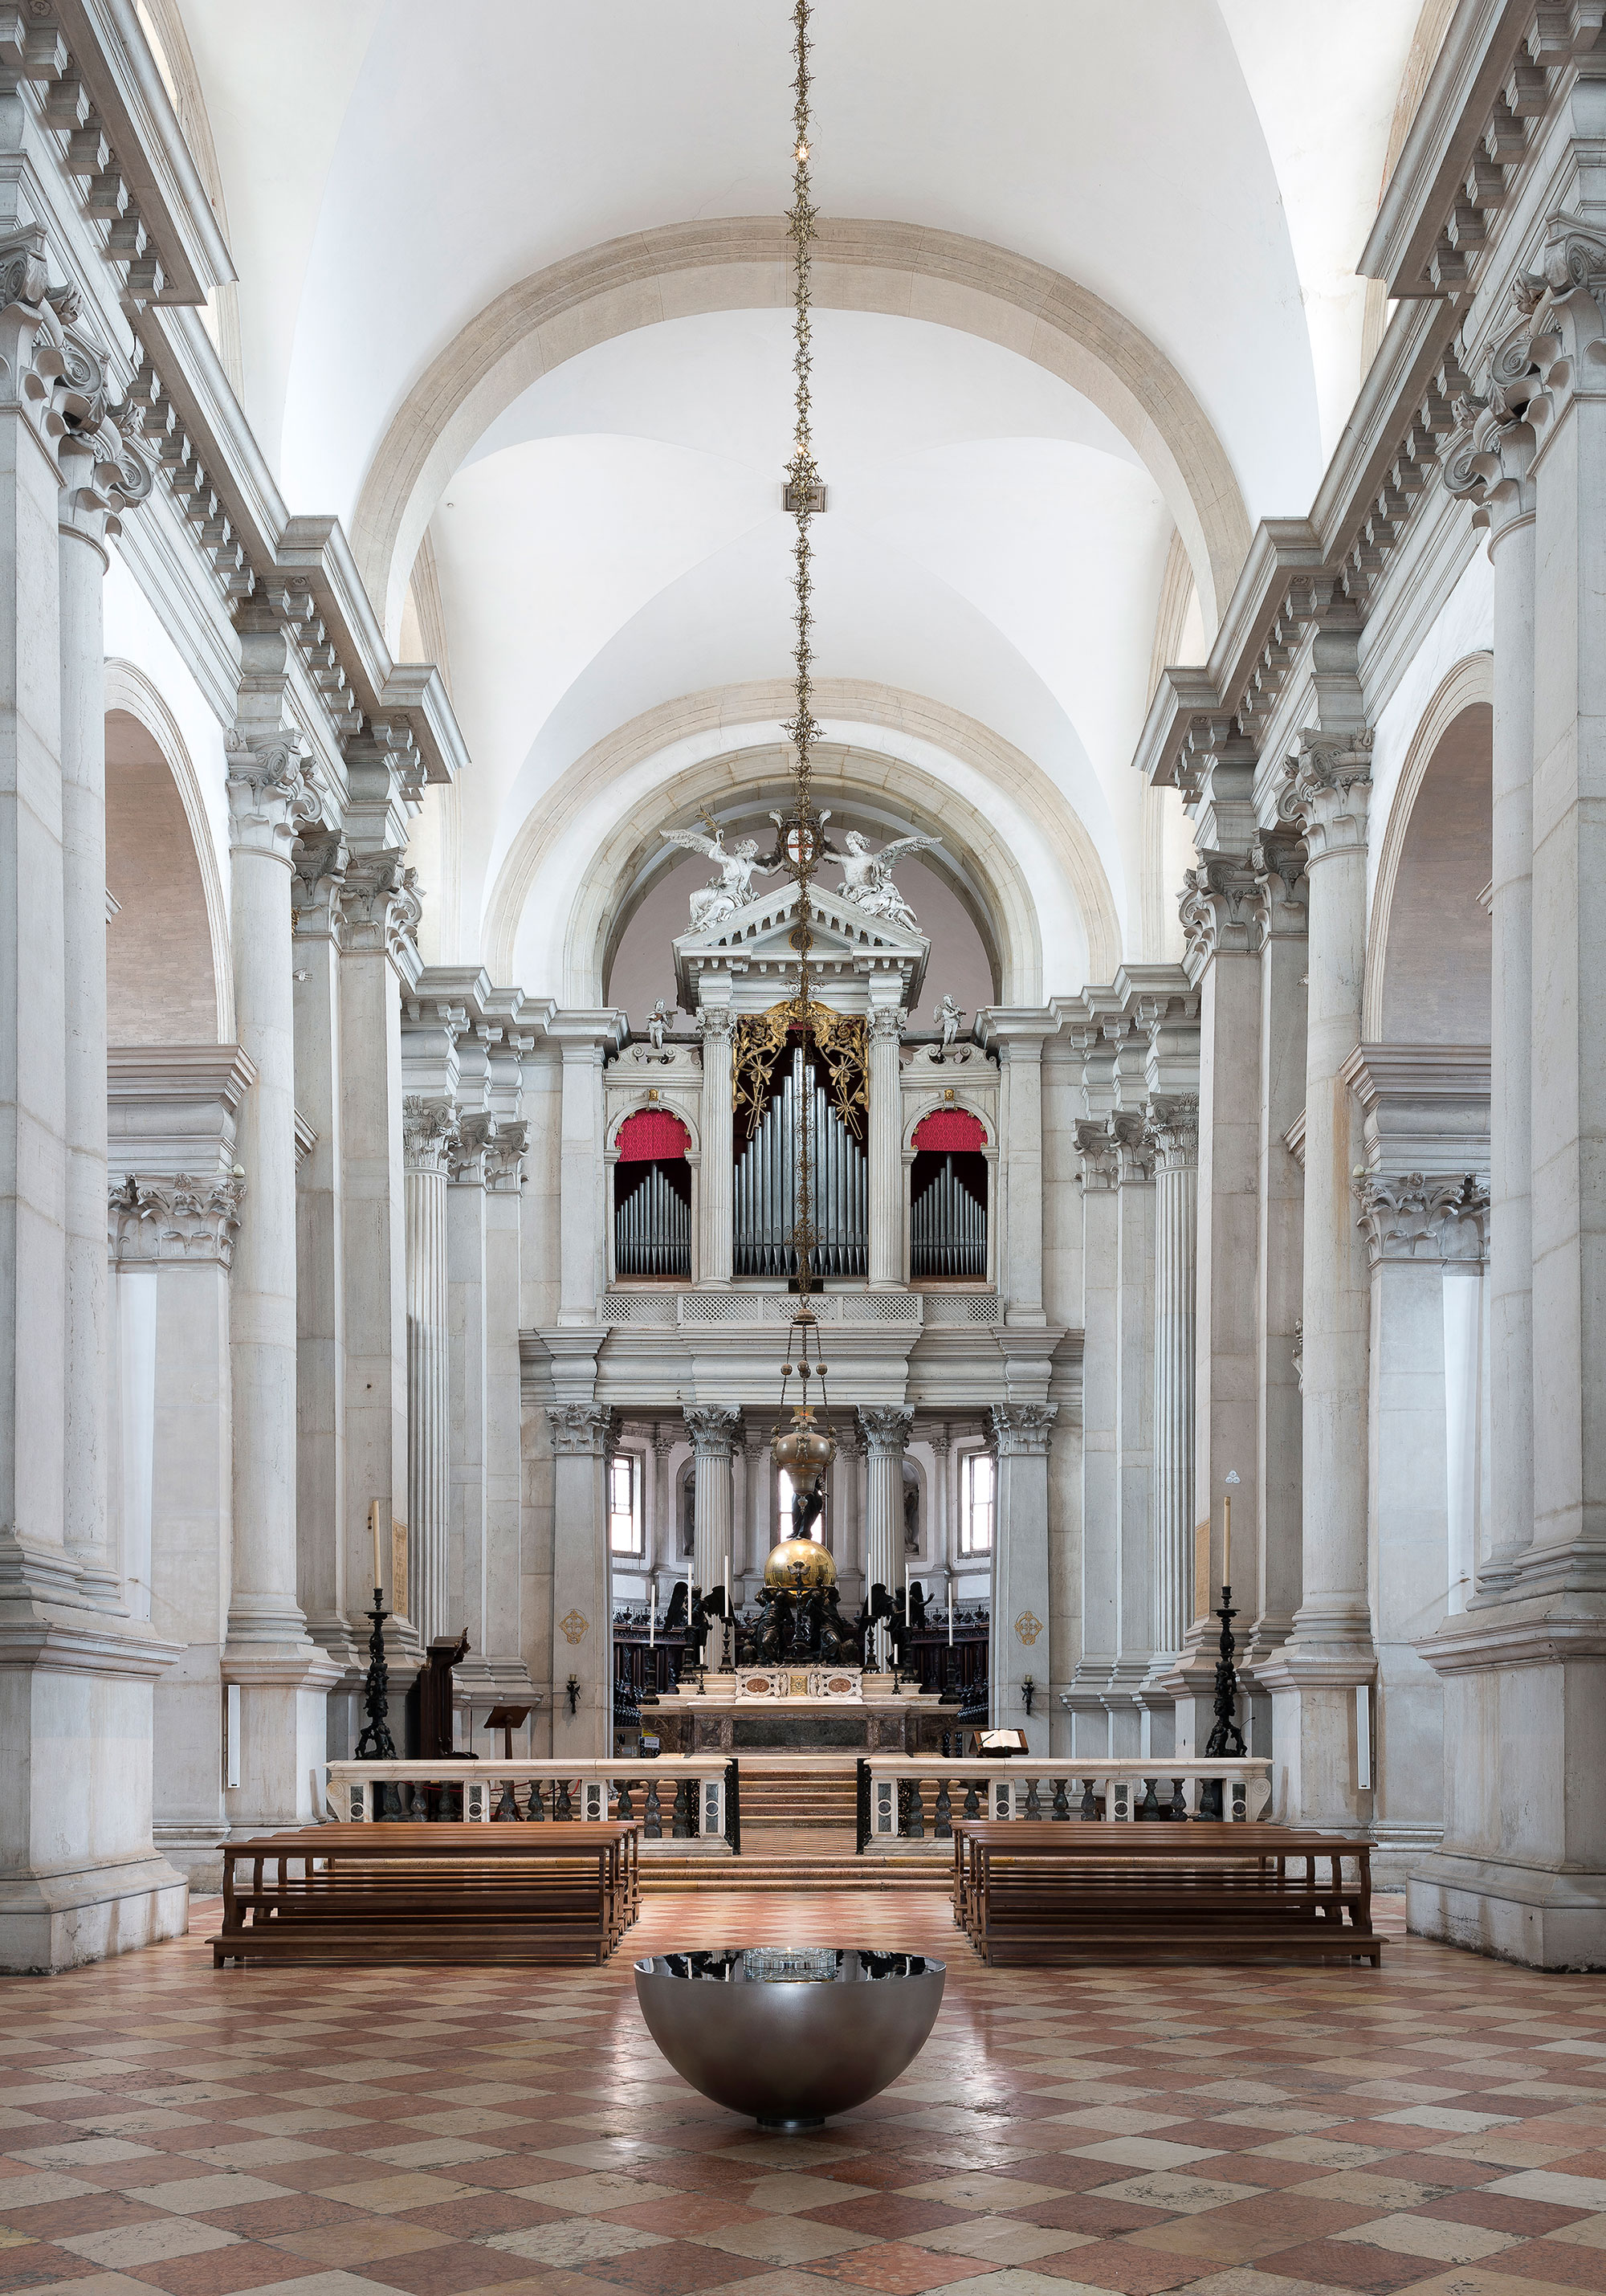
(1028, 1690)
(571, 1691)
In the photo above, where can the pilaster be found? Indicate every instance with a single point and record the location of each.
(1021, 1642)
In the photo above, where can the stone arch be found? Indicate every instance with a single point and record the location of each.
(1428, 957)
(639, 1103)
(919, 1106)
(713, 774)
(169, 974)
(904, 270)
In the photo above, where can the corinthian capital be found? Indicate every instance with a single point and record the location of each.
(1100, 1158)
(1171, 1127)
(885, 1428)
(270, 798)
(1024, 1429)
(504, 1158)
(888, 1021)
(467, 1149)
(579, 1426)
(715, 1427)
(1220, 910)
(161, 1221)
(1488, 460)
(1325, 788)
(381, 909)
(1422, 1216)
(428, 1133)
(716, 1020)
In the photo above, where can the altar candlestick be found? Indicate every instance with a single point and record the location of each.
(374, 1510)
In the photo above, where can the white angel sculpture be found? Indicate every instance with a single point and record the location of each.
(867, 877)
(732, 888)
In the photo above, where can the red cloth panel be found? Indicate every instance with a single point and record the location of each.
(649, 1134)
(950, 1130)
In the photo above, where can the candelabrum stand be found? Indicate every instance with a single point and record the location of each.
(1226, 1739)
(376, 1744)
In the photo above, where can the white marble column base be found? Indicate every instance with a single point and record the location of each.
(284, 1733)
(62, 1919)
(1316, 1772)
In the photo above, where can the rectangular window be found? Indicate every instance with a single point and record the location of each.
(624, 1504)
(976, 1515)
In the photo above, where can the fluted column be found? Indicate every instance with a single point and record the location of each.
(93, 489)
(1172, 1123)
(283, 1676)
(428, 1136)
(885, 1173)
(716, 1172)
(715, 1430)
(884, 1428)
(1320, 1763)
(662, 1542)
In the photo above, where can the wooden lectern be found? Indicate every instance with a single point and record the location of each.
(435, 1732)
(507, 1720)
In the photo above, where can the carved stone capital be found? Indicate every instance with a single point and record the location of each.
(1569, 319)
(715, 1428)
(1219, 907)
(428, 1133)
(381, 909)
(1171, 1124)
(888, 1021)
(885, 1428)
(1099, 1158)
(318, 863)
(157, 1222)
(579, 1427)
(1024, 1430)
(1134, 1150)
(504, 1158)
(1277, 857)
(1489, 459)
(1325, 788)
(466, 1152)
(270, 798)
(1417, 1216)
(716, 1020)
(105, 472)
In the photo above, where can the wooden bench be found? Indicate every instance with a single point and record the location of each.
(1047, 1892)
(444, 1892)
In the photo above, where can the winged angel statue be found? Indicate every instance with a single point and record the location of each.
(732, 888)
(867, 877)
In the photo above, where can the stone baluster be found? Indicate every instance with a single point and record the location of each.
(716, 1026)
(716, 1431)
(1022, 1637)
(429, 1138)
(1329, 1655)
(884, 1429)
(885, 1173)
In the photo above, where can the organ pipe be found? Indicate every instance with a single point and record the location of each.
(652, 1227)
(766, 1181)
(948, 1229)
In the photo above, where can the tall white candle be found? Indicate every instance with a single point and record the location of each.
(652, 1618)
(950, 1613)
(379, 1576)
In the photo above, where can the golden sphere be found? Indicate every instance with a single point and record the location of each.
(818, 1569)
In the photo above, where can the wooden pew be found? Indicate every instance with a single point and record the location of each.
(442, 1892)
(1052, 1893)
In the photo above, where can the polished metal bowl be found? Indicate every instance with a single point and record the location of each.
(789, 2034)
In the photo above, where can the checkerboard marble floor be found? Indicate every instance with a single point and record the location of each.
(1440, 2125)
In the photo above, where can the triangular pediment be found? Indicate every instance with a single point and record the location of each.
(763, 928)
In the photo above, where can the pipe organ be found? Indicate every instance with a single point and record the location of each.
(948, 1218)
(766, 1181)
(652, 1220)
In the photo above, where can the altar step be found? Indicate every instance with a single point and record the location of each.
(803, 1865)
(798, 1797)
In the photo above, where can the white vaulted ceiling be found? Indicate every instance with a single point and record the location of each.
(611, 539)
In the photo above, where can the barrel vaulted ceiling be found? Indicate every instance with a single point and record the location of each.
(606, 530)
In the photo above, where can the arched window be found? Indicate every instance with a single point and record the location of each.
(652, 1196)
(948, 1198)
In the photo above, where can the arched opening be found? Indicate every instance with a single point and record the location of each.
(1436, 957)
(653, 1197)
(948, 1199)
(162, 984)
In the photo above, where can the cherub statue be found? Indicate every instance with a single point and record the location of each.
(658, 1020)
(948, 1016)
(867, 877)
(732, 888)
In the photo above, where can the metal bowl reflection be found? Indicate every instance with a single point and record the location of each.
(789, 2034)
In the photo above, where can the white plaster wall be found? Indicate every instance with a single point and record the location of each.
(133, 634)
(1464, 624)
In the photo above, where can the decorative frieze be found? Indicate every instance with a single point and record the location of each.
(1023, 1430)
(155, 1222)
(1422, 1217)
